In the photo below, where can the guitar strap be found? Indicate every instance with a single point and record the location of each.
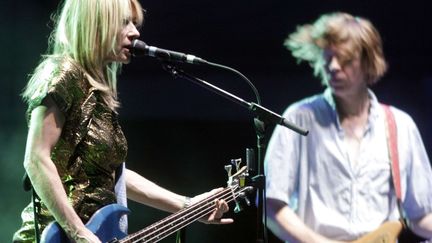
(36, 204)
(391, 132)
(120, 192)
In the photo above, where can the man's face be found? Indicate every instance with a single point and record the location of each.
(345, 73)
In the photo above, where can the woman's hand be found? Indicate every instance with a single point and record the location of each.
(83, 235)
(221, 207)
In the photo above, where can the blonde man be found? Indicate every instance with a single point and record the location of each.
(75, 143)
(335, 184)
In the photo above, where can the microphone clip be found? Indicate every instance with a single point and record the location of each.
(170, 68)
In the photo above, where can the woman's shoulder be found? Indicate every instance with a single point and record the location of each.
(69, 78)
(67, 72)
(68, 84)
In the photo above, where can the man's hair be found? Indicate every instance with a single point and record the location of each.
(334, 29)
(86, 32)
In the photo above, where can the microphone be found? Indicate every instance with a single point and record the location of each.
(140, 48)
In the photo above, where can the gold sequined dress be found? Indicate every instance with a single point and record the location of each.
(91, 147)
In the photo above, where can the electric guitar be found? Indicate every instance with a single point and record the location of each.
(386, 233)
(105, 222)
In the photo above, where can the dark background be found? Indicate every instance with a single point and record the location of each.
(181, 135)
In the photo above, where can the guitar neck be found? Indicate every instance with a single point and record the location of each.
(182, 218)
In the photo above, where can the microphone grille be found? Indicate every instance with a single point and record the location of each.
(139, 48)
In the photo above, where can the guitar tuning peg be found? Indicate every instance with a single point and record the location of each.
(238, 207)
(228, 169)
(236, 163)
(246, 200)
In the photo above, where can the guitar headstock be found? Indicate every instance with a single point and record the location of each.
(237, 182)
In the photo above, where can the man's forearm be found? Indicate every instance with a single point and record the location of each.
(423, 226)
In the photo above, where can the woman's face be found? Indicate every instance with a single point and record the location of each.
(128, 33)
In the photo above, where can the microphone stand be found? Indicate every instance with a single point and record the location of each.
(262, 116)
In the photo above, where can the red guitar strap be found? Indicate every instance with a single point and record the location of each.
(394, 156)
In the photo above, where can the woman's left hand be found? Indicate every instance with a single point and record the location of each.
(221, 207)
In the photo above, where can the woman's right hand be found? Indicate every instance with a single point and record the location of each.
(84, 235)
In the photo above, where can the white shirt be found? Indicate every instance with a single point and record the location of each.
(334, 196)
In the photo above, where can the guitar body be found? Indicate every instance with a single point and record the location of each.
(386, 233)
(104, 224)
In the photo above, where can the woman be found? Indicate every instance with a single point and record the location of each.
(75, 143)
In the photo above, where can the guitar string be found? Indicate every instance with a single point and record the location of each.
(204, 207)
(201, 213)
(191, 217)
(172, 218)
(158, 224)
(178, 214)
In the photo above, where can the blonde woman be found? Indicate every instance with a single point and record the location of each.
(335, 184)
(75, 143)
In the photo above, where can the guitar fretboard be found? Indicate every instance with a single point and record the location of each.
(182, 218)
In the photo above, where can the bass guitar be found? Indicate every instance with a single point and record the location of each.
(105, 222)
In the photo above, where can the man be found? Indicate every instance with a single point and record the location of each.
(336, 184)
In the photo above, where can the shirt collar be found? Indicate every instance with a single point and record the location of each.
(373, 111)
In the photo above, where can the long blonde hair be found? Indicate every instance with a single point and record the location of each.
(86, 32)
(362, 38)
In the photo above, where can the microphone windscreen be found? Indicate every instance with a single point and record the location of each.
(139, 48)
